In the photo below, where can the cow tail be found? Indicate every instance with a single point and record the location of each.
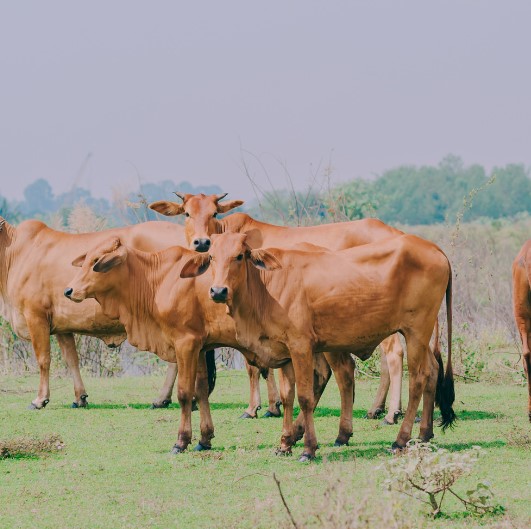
(438, 357)
(445, 385)
(211, 370)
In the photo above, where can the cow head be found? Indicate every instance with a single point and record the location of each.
(228, 258)
(94, 276)
(200, 212)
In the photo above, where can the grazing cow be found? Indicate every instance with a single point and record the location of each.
(35, 265)
(522, 309)
(164, 314)
(286, 304)
(201, 213)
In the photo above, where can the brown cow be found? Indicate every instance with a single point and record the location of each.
(522, 309)
(376, 290)
(161, 313)
(35, 264)
(201, 213)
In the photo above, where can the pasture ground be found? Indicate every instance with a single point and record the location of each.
(116, 471)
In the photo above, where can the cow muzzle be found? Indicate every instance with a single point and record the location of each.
(219, 294)
(68, 293)
(201, 245)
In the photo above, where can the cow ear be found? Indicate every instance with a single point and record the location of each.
(165, 207)
(78, 261)
(264, 260)
(196, 266)
(227, 206)
(110, 260)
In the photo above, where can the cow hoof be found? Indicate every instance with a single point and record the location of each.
(305, 458)
(35, 407)
(83, 402)
(281, 452)
(396, 448)
(177, 450)
(163, 404)
(269, 413)
(200, 447)
(374, 414)
(385, 422)
(246, 415)
(340, 443)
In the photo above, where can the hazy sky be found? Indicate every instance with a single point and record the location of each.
(183, 90)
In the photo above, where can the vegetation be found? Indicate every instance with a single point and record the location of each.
(115, 469)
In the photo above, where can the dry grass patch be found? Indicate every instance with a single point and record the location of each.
(30, 446)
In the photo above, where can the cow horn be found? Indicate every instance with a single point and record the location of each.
(220, 197)
(179, 195)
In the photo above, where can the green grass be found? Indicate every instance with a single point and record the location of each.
(116, 471)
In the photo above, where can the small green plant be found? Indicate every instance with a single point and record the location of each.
(427, 473)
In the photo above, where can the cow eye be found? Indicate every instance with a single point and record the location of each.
(240, 257)
(215, 215)
(187, 214)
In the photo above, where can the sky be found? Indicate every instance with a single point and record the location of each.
(107, 94)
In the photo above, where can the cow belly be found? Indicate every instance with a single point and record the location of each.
(84, 318)
(339, 328)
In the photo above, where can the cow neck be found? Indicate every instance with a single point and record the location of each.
(253, 304)
(235, 223)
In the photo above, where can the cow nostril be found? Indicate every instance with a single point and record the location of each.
(207, 242)
(68, 292)
(196, 242)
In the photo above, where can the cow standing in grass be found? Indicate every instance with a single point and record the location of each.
(290, 304)
(167, 315)
(522, 309)
(35, 265)
(201, 212)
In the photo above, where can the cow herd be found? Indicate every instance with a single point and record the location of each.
(302, 300)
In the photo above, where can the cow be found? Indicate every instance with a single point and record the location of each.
(171, 317)
(201, 212)
(35, 264)
(522, 309)
(287, 305)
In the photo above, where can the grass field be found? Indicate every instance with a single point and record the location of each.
(116, 470)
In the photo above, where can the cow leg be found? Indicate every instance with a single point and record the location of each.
(343, 367)
(420, 370)
(527, 369)
(523, 322)
(394, 354)
(164, 398)
(378, 406)
(254, 392)
(321, 376)
(201, 392)
(69, 352)
(286, 378)
(273, 396)
(428, 402)
(40, 339)
(187, 353)
(302, 361)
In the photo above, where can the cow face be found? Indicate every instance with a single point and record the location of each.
(94, 276)
(200, 212)
(228, 259)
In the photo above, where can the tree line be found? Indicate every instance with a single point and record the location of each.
(412, 195)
